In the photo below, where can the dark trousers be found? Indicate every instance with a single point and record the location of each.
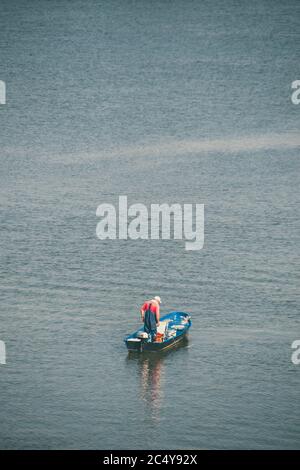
(150, 324)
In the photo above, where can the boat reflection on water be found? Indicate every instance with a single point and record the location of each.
(150, 369)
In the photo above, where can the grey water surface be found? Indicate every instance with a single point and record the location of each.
(109, 98)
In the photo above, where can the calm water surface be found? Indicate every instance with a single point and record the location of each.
(106, 98)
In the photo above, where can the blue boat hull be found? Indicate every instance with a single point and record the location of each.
(142, 345)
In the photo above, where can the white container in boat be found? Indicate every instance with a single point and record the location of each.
(171, 333)
(178, 327)
(142, 335)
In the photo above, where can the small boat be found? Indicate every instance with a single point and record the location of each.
(172, 329)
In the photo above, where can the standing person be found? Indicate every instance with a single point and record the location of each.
(150, 313)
